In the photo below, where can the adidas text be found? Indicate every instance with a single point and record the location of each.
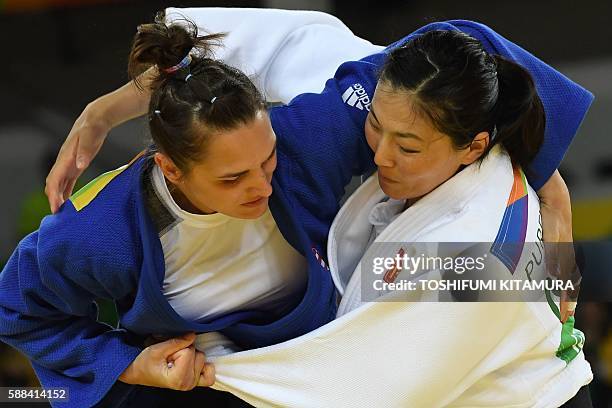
(357, 96)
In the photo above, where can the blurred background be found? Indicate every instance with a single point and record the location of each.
(57, 55)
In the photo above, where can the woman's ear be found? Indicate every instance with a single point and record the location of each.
(477, 148)
(167, 166)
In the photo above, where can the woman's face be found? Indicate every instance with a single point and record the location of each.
(235, 174)
(412, 156)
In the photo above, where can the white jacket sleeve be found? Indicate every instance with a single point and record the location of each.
(285, 52)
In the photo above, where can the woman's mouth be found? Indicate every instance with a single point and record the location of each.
(255, 203)
(385, 180)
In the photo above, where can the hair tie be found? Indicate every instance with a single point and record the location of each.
(493, 133)
(157, 113)
(184, 63)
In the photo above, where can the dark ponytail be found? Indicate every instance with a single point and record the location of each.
(197, 98)
(520, 113)
(465, 91)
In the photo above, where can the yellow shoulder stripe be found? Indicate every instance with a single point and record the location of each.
(85, 195)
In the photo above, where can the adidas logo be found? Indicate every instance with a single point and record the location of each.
(357, 96)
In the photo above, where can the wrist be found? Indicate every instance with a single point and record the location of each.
(95, 115)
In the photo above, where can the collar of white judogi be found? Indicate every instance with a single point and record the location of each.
(483, 185)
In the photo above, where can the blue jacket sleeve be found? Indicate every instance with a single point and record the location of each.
(323, 137)
(325, 130)
(565, 102)
(321, 144)
(47, 311)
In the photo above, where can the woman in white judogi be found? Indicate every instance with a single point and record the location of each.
(451, 127)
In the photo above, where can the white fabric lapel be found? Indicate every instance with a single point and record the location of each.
(350, 232)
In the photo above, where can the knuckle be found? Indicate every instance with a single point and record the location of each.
(208, 381)
(209, 375)
(186, 384)
(175, 383)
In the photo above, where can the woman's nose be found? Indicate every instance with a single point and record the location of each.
(383, 156)
(262, 184)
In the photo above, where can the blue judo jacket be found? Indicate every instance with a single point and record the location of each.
(103, 243)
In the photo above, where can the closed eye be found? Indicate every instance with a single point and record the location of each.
(231, 180)
(234, 179)
(403, 149)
